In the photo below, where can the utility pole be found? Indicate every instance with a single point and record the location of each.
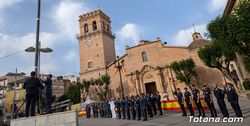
(14, 97)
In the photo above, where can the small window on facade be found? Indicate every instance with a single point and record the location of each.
(94, 25)
(108, 28)
(144, 57)
(86, 29)
(90, 64)
(103, 25)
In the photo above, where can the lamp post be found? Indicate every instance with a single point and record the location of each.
(119, 65)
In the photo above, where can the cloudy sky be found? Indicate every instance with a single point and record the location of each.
(132, 20)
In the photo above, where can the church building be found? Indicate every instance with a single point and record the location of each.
(146, 66)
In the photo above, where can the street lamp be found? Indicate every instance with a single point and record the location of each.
(119, 65)
(44, 50)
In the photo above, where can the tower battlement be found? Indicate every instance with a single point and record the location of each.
(94, 13)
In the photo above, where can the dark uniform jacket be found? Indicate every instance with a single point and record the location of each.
(179, 97)
(219, 94)
(187, 95)
(207, 93)
(195, 93)
(232, 95)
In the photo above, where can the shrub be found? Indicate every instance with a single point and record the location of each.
(246, 85)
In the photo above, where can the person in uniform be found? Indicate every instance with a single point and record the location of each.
(31, 86)
(104, 109)
(209, 100)
(133, 107)
(138, 108)
(153, 103)
(88, 110)
(102, 112)
(196, 98)
(233, 99)
(118, 107)
(108, 109)
(149, 106)
(123, 108)
(220, 94)
(143, 107)
(187, 96)
(127, 107)
(93, 109)
(48, 93)
(181, 101)
(158, 102)
(97, 110)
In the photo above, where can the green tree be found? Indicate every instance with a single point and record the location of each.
(232, 35)
(85, 91)
(184, 70)
(101, 86)
(74, 93)
(212, 56)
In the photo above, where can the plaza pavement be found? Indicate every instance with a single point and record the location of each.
(173, 118)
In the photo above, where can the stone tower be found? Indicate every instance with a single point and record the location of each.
(96, 41)
(196, 36)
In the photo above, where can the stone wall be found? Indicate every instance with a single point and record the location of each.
(68, 118)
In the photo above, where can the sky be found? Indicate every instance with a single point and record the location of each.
(132, 20)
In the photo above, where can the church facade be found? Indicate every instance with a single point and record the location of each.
(146, 66)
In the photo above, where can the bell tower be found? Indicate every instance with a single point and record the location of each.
(96, 41)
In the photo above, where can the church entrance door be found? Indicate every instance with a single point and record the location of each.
(150, 88)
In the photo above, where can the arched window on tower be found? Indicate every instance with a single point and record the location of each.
(86, 29)
(94, 25)
(144, 57)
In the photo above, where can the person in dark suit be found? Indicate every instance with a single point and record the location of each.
(187, 96)
(94, 110)
(133, 107)
(31, 86)
(220, 94)
(100, 109)
(88, 110)
(233, 99)
(196, 98)
(127, 107)
(181, 101)
(149, 106)
(48, 93)
(143, 107)
(138, 109)
(153, 103)
(108, 109)
(118, 107)
(158, 102)
(209, 100)
(123, 108)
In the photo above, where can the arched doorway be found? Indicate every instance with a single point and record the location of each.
(150, 88)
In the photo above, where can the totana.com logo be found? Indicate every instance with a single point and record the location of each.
(215, 119)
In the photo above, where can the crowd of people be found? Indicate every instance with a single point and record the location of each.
(139, 106)
(219, 94)
(144, 105)
(134, 107)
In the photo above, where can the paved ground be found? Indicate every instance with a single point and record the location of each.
(172, 118)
